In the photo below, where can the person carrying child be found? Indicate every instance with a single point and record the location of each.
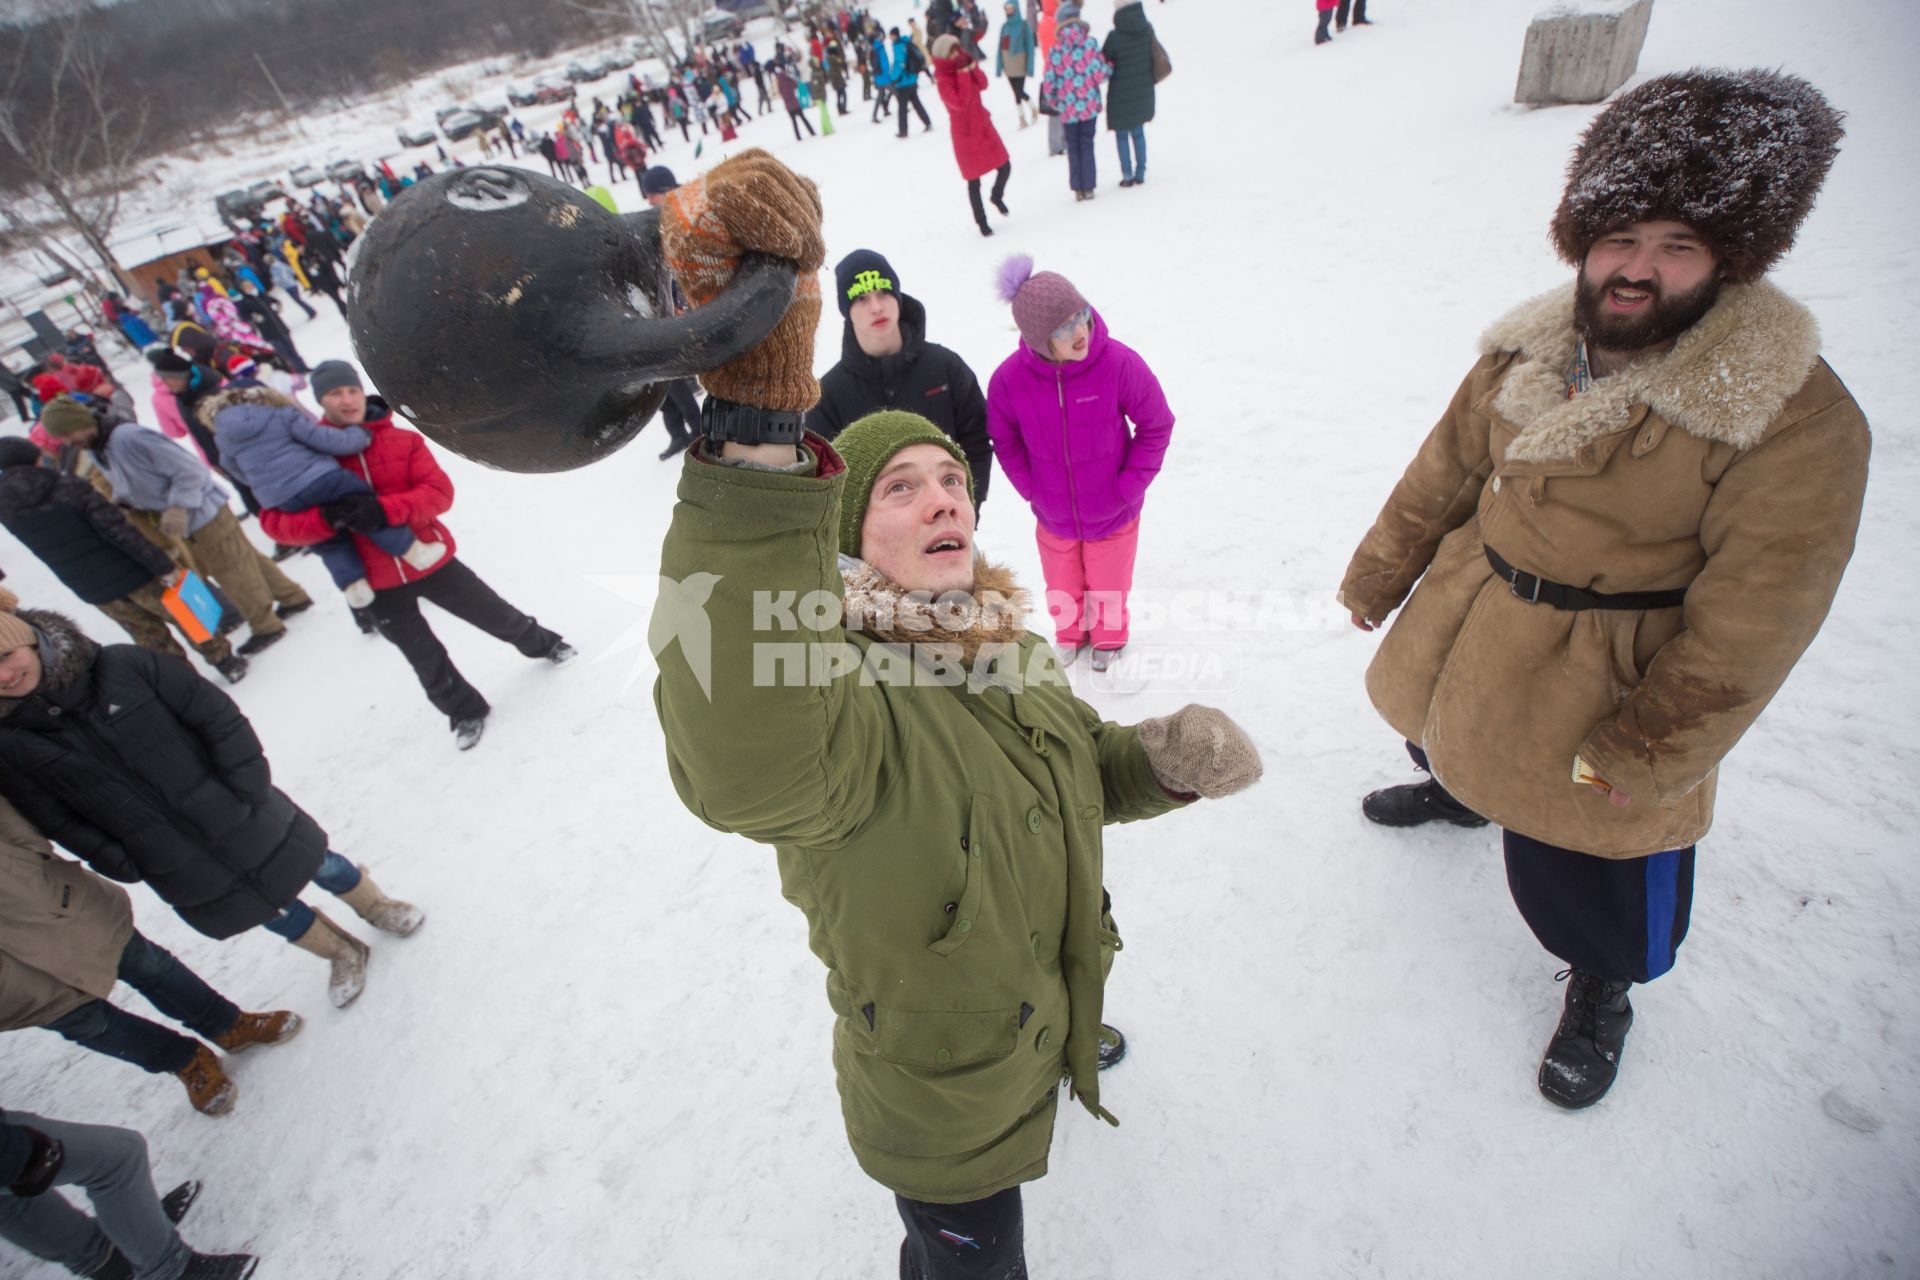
(292, 462)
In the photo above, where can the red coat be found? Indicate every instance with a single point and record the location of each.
(409, 484)
(976, 143)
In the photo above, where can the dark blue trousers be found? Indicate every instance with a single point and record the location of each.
(170, 987)
(1620, 918)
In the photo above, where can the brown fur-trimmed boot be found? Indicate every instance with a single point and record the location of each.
(251, 1029)
(347, 954)
(389, 915)
(208, 1088)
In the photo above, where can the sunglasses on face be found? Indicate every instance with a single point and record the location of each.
(1080, 317)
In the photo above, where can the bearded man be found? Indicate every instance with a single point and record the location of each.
(937, 816)
(1626, 529)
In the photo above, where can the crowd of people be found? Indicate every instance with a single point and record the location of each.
(124, 756)
(809, 83)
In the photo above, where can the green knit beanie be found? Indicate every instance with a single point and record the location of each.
(866, 447)
(63, 415)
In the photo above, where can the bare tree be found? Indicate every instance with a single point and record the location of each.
(85, 137)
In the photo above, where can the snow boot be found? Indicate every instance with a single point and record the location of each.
(1104, 658)
(277, 1027)
(424, 555)
(359, 595)
(466, 733)
(219, 1266)
(1583, 1057)
(1113, 1046)
(233, 667)
(388, 915)
(285, 611)
(177, 1201)
(985, 230)
(1069, 656)
(1416, 804)
(363, 617)
(208, 1088)
(257, 642)
(346, 953)
(112, 1267)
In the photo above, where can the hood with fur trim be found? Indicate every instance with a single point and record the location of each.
(237, 393)
(1724, 380)
(66, 656)
(994, 613)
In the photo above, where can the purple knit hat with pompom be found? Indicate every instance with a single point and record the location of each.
(1042, 301)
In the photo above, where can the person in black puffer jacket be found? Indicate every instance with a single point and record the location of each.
(886, 362)
(96, 552)
(145, 771)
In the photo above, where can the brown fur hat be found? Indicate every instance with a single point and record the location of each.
(1737, 155)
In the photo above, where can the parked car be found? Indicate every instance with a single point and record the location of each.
(617, 61)
(346, 170)
(498, 109)
(523, 95)
(580, 73)
(307, 175)
(236, 206)
(266, 189)
(745, 9)
(718, 24)
(414, 135)
(464, 124)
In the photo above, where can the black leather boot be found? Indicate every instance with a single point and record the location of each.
(1417, 803)
(1583, 1057)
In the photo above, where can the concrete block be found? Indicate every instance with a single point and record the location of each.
(1581, 50)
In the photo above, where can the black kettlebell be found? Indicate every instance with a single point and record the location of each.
(520, 324)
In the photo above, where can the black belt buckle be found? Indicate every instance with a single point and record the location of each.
(1513, 584)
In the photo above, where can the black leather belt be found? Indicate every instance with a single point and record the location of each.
(1539, 591)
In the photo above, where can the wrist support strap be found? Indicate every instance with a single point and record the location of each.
(723, 420)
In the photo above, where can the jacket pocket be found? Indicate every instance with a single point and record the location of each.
(943, 1040)
(964, 919)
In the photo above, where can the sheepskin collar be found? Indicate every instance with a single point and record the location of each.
(1725, 380)
(66, 664)
(881, 608)
(239, 393)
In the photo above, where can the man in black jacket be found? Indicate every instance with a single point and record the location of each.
(886, 362)
(96, 552)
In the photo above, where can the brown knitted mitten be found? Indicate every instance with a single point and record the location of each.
(752, 202)
(1199, 751)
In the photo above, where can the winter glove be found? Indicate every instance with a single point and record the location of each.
(44, 1161)
(363, 514)
(1199, 751)
(173, 522)
(752, 203)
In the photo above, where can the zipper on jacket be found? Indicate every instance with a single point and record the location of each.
(1073, 494)
(367, 474)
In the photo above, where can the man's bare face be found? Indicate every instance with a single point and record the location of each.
(918, 529)
(345, 406)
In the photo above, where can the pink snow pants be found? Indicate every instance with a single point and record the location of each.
(1087, 586)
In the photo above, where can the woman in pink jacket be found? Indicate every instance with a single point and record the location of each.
(1079, 425)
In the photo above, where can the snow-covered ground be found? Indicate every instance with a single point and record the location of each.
(607, 1053)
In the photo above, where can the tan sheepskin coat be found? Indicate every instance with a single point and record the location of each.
(1733, 466)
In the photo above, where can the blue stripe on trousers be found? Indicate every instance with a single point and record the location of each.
(1663, 892)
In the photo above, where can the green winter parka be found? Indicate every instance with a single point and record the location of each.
(942, 839)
